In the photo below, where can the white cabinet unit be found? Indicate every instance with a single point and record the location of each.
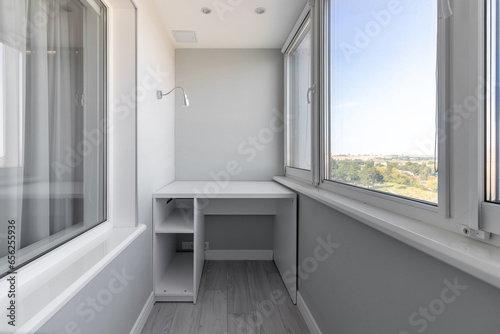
(181, 207)
(177, 274)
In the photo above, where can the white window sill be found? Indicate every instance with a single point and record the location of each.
(45, 285)
(471, 256)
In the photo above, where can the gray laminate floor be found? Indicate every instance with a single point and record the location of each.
(236, 297)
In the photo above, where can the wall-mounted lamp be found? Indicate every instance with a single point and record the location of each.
(160, 95)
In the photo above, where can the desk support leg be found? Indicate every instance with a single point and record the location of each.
(199, 240)
(285, 243)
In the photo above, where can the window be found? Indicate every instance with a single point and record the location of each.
(381, 121)
(493, 111)
(298, 64)
(11, 61)
(490, 206)
(2, 113)
(404, 119)
(52, 125)
(378, 105)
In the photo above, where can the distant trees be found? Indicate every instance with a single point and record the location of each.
(424, 172)
(398, 178)
(432, 183)
(345, 171)
(368, 173)
(421, 170)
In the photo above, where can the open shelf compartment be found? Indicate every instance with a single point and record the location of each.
(177, 282)
(179, 221)
(173, 216)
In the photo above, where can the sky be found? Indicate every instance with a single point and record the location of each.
(383, 87)
(383, 90)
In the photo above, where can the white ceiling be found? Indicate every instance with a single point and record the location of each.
(232, 23)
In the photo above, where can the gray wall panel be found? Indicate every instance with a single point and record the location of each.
(373, 283)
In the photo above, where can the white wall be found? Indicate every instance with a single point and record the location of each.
(154, 124)
(235, 114)
(235, 118)
(156, 71)
(112, 301)
(122, 114)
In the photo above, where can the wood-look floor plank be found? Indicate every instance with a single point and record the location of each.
(263, 299)
(255, 302)
(160, 319)
(243, 324)
(239, 299)
(186, 319)
(188, 315)
(236, 324)
(270, 267)
(216, 275)
(214, 313)
(291, 317)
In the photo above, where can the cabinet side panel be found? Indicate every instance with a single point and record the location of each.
(199, 240)
(285, 243)
(161, 210)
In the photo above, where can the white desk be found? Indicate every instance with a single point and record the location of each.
(181, 206)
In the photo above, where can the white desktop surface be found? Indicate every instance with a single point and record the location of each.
(221, 189)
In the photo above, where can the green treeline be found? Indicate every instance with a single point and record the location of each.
(367, 173)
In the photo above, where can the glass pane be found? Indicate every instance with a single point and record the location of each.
(493, 112)
(299, 114)
(10, 107)
(382, 117)
(52, 151)
(2, 109)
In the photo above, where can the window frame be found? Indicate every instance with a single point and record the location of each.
(306, 18)
(409, 207)
(462, 69)
(488, 212)
(43, 247)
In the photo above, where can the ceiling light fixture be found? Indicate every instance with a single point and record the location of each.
(206, 10)
(260, 10)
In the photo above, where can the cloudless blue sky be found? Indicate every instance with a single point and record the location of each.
(384, 97)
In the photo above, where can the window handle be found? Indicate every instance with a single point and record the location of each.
(80, 100)
(311, 89)
(445, 9)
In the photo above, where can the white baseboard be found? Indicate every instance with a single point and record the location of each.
(306, 314)
(143, 317)
(220, 255)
